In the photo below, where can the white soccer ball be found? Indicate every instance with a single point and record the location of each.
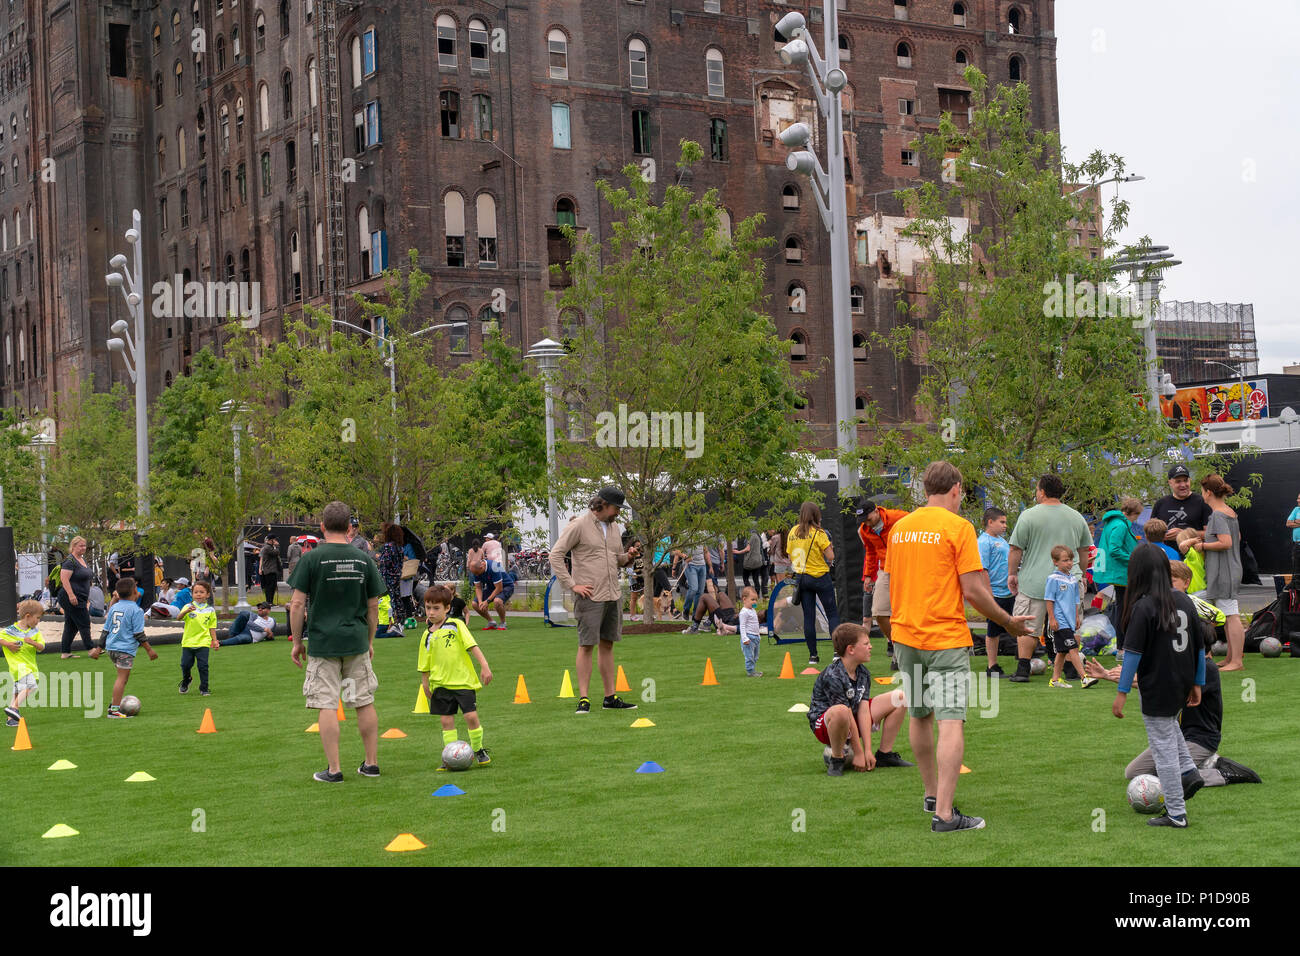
(848, 752)
(1219, 648)
(130, 705)
(458, 755)
(1037, 666)
(1144, 794)
(1270, 647)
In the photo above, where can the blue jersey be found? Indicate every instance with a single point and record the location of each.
(994, 552)
(1062, 592)
(489, 578)
(124, 621)
(183, 597)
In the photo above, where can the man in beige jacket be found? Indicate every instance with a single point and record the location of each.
(595, 543)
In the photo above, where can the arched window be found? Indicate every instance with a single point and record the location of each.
(230, 267)
(194, 12)
(1015, 70)
(224, 115)
(162, 156)
(489, 321)
(157, 91)
(724, 223)
(266, 174)
(860, 402)
(363, 243)
(557, 46)
(241, 181)
(846, 49)
(798, 345)
(959, 14)
(239, 120)
(263, 107)
(356, 62)
(446, 41)
(295, 267)
(458, 319)
(221, 53)
(286, 89)
(793, 250)
(291, 163)
(487, 230)
(1014, 21)
(638, 64)
(176, 26)
(157, 39)
(961, 58)
(859, 347)
(714, 72)
(904, 53)
(182, 160)
(234, 42)
(565, 213)
(478, 46)
(790, 196)
(796, 298)
(453, 210)
(284, 18)
(179, 72)
(259, 31)
(245, 265)
(312, 80)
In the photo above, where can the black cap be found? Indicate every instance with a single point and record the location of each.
(1179, 471)
(262, 605)
(863, 505)
(354, 521)
(611, 496)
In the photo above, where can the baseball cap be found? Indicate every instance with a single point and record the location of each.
(863, 506)
(263, 606)
(611, 496)
(1179, 471)
(183, 582)
(354, 521)
(489, 536)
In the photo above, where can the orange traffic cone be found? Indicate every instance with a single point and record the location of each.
(521, 692)
(710, 680)
(207, 727)
(621, 683)
(342, 716)
(787, 668)
(21, 740)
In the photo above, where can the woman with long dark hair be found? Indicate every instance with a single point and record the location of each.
(1162, 649)
(811, 556)
(1222, 550)
(390, 558)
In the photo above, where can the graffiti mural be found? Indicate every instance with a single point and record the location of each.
(1216, 403)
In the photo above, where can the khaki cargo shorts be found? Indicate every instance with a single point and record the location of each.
(330, 679)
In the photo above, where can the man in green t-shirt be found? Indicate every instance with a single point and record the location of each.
(1029, 564)
(344, 585)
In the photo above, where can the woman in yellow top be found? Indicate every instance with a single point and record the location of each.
(811, 555)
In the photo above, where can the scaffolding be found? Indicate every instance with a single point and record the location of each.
(1188, 334)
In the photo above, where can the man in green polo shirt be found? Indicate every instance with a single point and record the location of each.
(344, 586)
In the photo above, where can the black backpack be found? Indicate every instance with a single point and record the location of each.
(1281, 620)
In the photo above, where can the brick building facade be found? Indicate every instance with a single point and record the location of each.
(471, 133)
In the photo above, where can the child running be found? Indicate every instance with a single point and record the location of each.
(447, 672)
(1064, 614)
(123, 636)
(1162, 650)
(200, 635)
(22, 641)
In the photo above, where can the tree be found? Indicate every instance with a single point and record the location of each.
(20, 479)
(90, 475)
(677, 378)
(1031, 365)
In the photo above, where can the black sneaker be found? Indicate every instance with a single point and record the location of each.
(814, 659)
(482, 757)
(1165, 820)
(893, 664)
(891, 759)
(614, 702)
(584, 707)
(183, 687)
(1234, 772)
(995, 672)
(1021, 676)
(12, 713)
(958, 821)
(324, 776)
(11, 722)
(366, 770)
(835, 766)
(1192, 781)
(208, 693)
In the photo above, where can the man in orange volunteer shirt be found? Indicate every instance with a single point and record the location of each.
(874, 526)
(934, 564)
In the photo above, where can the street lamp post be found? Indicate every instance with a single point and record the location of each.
(233, 409)
(391, 362)
(832, 204)
(547, 353)
(131, 285)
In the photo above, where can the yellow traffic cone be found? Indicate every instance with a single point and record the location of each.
(566, 688)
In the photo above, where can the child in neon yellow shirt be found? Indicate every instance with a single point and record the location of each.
(200, 635)
(21, 641)
(447, 672)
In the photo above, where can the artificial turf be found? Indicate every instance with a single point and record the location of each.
(744, 781)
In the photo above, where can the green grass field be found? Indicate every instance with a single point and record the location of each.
(741, 772)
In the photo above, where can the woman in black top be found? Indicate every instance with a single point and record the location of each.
(75, 598)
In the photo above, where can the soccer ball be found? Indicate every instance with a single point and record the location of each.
(1219, 648)
(1270, 647)
(458, 755)
(848, 752)
(130, 705)
(1144, 794)
(1037, 666)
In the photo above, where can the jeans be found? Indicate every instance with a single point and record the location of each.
(812, 589)
(1172, 759)
(239, 634)
(751, 654)
(76, 620)
(695, 574)
(191, 654)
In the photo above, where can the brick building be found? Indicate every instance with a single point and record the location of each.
(471, 132)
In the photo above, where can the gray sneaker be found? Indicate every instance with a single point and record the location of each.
(834, 766)
(958, 821)
(324, 776)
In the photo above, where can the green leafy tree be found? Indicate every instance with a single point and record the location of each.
(677, 387)
(1031, 367)
(20, 479)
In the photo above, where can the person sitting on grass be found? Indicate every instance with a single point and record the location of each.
(123, 636)
(22, 641)
(251, 629)
(1156, 531)
(493, 588)
(717, 606)
(387, 626)
(1202, 725)
(842, 713)
(1064, 615)
(447, 673)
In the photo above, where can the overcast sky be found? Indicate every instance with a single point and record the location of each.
(1204, 100)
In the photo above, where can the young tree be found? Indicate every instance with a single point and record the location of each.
(677, 387)
(20, 479)
(1030, 367)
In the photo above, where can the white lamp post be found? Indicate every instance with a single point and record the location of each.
(829, 192)
(131, 285)
(236, 426)
(547, 353)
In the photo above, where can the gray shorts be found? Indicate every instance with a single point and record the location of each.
(597, 620)
(121, 659)
(935, 682)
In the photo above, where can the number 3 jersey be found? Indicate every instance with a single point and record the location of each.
(1168, 668)
(444, 655)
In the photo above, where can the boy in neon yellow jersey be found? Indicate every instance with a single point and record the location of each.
(21, 642)
(200, 635)
(448, 673)
(1187, 541)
